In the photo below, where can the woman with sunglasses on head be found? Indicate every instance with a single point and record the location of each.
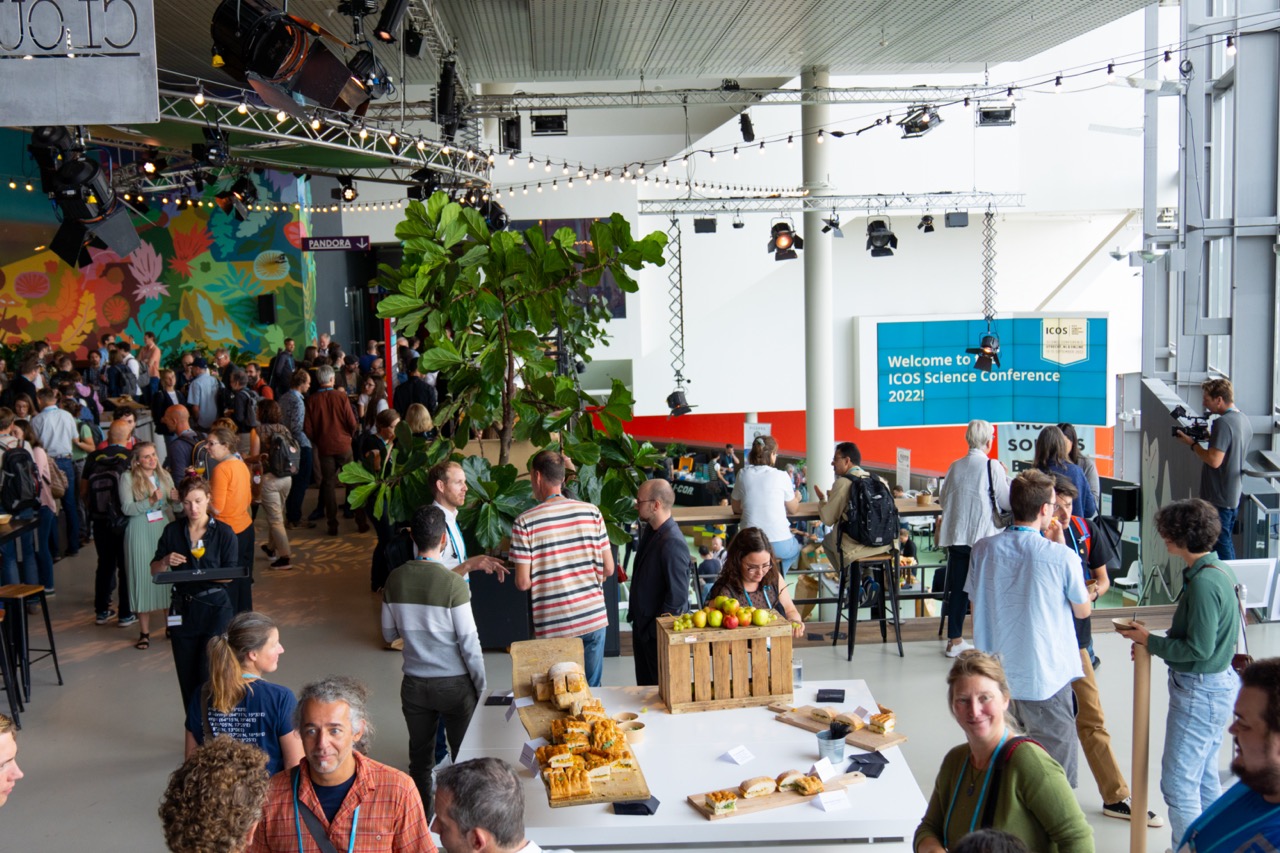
(751, 576)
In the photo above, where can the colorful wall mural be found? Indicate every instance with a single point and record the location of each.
(195, 279)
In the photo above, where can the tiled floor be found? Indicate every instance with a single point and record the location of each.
(97, 752)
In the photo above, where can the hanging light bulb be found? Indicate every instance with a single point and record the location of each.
(555, 186)
(789, 141)
(281, 115)
(364, 132)
(1231, 45)
(735, 152)
(243, 107)
(511, 160)
(393, 140)
(640, 169)
(564, 169)
(539, 187)
(444, 152)
(315, 121)
(581, 173)
(822, 137)
(761, 149)
(664, 165)
(199, 98)
(1057, 83)
(1111, 71)
(547, 168)
(531, 162)
(1168, 56)
(968, 104)
(1008, 93)
(570, 184)
(713, 156)
(471, 155)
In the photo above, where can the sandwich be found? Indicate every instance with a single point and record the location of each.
(564, 701)
(883, 709)
(563, 784)
(554, 756)
(576, 742)
(787, 780)
(807, 786)
(852, 720)
(558, 687)
(722, 802)
(598, 769)
(881, 724)
(542, 690)
(623, 761)
(823, 715)
(759, 786)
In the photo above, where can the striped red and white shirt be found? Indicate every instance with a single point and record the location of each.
(564, 542)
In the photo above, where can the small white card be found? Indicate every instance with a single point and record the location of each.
(831, 801)
(737, 755)
(522, 702)
(174, 620)
(528, 755)
(863, 713)
(691, 639)
(155, 515)
(822, 769)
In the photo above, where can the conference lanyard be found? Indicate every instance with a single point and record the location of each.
(764, 590)
(297, 817)
(459, 547)
(986, 780)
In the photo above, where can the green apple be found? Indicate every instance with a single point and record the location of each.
(716, 619)
(700, 619)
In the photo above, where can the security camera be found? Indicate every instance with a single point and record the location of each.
(1116, 254)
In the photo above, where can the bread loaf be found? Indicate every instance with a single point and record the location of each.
(758, 786)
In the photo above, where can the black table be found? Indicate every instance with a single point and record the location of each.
(696, 492)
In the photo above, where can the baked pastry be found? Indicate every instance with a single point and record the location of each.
(881, 724)
(564, 668)
(624, 762)
(554, 755)
(563, 784)
(542, 690)
(823, 715)
(807, 786)
(883, 709)
(788, 778)
(604, 735)
(564, 701)
(758, 786)
(598, 769)
(575, 682)
(722, 802)
(852, 720)
(558, 685)
(577, 742)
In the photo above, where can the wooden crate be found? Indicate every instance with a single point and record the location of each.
(713, 668)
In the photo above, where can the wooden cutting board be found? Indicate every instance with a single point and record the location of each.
(862, 739)
(530, 657)
(776, 800)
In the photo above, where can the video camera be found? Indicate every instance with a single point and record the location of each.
(1193, 425)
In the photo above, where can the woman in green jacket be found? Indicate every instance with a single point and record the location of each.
(1031, 796)
(1198, 650)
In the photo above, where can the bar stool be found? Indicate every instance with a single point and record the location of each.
(6, 671)
(885, 567)
(15, 597)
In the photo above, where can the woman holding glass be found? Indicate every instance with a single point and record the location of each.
(202, 608)
(148, 498)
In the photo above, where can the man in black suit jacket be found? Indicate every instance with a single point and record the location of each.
(415, 390)
(660, 578)
(24, 382)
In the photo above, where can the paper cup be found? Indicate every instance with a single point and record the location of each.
(625, 717)
(633, 730)
(924, 499)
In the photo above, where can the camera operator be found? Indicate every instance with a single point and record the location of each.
(1223, 459)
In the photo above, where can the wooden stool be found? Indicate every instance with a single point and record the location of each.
(15, 597)
(6, 670)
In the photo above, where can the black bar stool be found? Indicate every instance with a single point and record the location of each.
(15, 597)
(885, 569)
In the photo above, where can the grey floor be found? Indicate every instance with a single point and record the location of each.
(97, 751)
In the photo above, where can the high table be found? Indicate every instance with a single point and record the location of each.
(807, 512)
(681, 755)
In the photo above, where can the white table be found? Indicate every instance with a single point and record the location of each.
(680, 755)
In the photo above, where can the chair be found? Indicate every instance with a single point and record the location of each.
(885, 568)
(15, 597)
(1133, 580)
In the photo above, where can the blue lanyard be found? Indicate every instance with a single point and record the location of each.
(986, 780)
(1024, 528)
(297, 817)
(458, 551)
(764, 590)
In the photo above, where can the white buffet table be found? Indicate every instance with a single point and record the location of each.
(681, 755)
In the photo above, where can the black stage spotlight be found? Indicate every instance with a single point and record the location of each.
(926, 224)
(370, 72)
(987, 352)
(748, 132)
(236, 200)
(390, 20)
(152, 162)
(880, 239)
(345, 191)
(415, 43)
(832, 225)
(704, 225)
(358, 8)
(50, 146)
(214, 150)
(919, 121)
(495, 215)
(90, 214)
(678, 404)
(783, 242)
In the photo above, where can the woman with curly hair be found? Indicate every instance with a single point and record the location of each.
(214, 800)
(751, 576)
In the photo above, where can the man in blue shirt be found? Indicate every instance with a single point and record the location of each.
(1025, 588)
(1247, 816)
(203, 395)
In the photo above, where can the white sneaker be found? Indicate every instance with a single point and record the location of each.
(955, 651)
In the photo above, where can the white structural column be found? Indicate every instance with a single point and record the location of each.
(819, 406)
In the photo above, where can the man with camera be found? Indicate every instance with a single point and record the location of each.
(1229, 438)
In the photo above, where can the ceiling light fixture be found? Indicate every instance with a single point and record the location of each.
(881, 241)
(926, 224)
(919, 120)
(390, 20)
(987, 352)
(783, 241)
(748, 132)
(831, 225)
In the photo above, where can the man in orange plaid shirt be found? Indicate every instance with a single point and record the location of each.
(353, 802)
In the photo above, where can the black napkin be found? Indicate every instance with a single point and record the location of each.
(870, 764)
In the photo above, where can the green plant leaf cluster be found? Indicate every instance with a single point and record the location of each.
(495, 309)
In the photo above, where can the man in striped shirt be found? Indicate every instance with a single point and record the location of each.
(430, 607)
(560, 549)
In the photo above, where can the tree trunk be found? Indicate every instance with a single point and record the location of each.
(508, 392)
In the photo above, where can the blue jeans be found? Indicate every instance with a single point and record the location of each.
(786, 550)
(9, 556)
(1225, 548)
(46, 542)
(593, 656)
(71, 504)
(1199, 711)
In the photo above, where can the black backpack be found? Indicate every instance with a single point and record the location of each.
(284, 456)
(102, 496)
(19, 480)
(244, 405)
(398, 550)
(871, 517)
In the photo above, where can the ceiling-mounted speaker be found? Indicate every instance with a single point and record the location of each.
(549, 124)
(511, 133)
(1125, 502)
(267, 309)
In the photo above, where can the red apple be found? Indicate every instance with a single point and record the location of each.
(731, 621)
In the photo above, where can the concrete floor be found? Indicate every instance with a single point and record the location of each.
(97, 752)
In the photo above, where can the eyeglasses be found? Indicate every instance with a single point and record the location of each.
(646, 501)
(762, 567)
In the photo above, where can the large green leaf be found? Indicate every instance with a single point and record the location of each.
(355, 472)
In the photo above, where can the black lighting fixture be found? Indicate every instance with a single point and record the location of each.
(236, 200)
(919, 120)
(881, 240)
(926, 224)
(446, 98)
(704, 225)
(214, 150)
(371, 73)
(549, 124)
(1001, 115)
(987, 352)
(737, 221)
(510, 135)
(345, 191)
(152, 162)
(389, 21)
(51, 146)
(91, 214)
(831, 225)
(415, 43)
(678, 403)
(748, 132)
(783, 241)
(495, 215)
(358, 8)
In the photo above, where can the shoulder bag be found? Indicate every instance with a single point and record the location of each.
(999, 517)
(1241, 660)
(57, 481)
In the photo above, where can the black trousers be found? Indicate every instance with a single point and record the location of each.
(109, 542)
(240, 590)
(426, 703)
(378, 568)
(644, 640)
(204, 616)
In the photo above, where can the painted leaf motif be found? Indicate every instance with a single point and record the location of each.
(147, 265)
(31, 285)
(189, 245)
(78, 326)
(67, 301)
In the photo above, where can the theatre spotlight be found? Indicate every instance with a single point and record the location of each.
(987, 352)
(678, 404)
(783, 242)
(214, 149)
(369, 70)
(152, 162)
(832, 225)
(919, 121)
(880, 239)
(236, 200)
(390, 20)
(91, 216)
(345, 191)
(50, 146)
(748, 132)
(495, 215)
(926, 224)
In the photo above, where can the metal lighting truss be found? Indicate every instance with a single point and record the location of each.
(828, 203)
(339, 131)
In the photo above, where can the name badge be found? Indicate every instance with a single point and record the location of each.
(174, 620)
(155, 515)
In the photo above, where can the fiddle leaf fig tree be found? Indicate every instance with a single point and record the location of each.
(498, 311)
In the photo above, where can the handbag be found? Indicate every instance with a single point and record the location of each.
(1241, 660)
(999, 517)
(57, 482)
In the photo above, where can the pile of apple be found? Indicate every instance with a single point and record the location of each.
(725, 612)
